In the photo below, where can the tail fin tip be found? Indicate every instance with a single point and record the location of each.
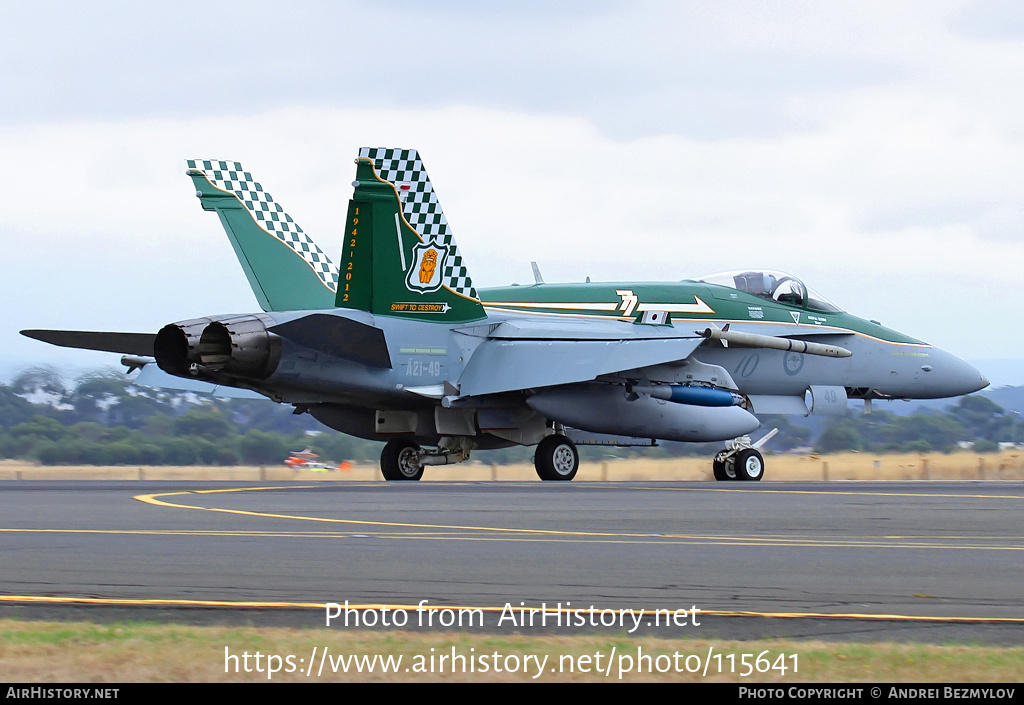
(416, 269)
(307, 279)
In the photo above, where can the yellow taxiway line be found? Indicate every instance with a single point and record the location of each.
(551, 611)
(554, 534)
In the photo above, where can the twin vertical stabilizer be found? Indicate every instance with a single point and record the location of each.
(285, 268)
(398, 257)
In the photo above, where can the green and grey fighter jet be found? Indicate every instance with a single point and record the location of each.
(396, 344)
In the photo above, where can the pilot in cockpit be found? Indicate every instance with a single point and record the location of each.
(784, 289)
(757, 283)
(773, 286)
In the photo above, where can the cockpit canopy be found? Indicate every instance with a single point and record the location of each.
(774, 286)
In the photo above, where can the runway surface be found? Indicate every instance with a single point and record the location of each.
(933, 562)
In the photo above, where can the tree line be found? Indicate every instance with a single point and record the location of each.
(102, 418)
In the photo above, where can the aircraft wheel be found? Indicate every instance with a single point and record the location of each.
(399, 461)
(749, 465)
(725, 470)
(718, 466)
(556, 459)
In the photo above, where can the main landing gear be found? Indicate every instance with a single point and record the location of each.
(403, 459)
(556, 458)
(400, 460)
(741, 459)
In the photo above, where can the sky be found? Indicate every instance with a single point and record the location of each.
(873, 149)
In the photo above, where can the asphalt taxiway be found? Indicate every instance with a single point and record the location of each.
(923, 561)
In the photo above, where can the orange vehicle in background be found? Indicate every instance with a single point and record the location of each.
(308, 460)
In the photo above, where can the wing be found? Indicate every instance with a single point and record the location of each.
(507, 365)
(527, 353)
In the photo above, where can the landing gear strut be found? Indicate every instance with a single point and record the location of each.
(556, 458)
(741, 459)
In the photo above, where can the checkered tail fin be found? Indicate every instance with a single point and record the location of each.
(285, 268)
(398, 257)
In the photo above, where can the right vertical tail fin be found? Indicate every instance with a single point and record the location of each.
(398, 257)
(285, 268)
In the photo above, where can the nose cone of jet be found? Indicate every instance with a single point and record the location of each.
(945, 375)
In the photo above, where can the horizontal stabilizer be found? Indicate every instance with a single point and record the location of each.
(125, 343)
(338, 336)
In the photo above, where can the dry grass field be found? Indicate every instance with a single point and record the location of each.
(81, 652)
(1007, 465)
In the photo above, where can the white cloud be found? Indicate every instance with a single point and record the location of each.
(105, 231)
(875, 150)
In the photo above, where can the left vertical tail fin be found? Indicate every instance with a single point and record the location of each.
(285, 268)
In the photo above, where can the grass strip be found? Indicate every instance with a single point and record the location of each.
(133, 652)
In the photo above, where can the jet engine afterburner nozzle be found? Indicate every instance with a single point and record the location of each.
(237, 346)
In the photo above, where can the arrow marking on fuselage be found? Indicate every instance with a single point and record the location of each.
(698, 306)
(568, 306)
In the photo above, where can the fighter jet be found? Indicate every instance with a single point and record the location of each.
(396, 344)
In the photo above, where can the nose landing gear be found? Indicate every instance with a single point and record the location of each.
(741, 459)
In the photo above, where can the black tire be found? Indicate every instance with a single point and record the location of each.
(556, 459)
(398, 461)
(749, 465)
(725, 470)
(718, 467)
